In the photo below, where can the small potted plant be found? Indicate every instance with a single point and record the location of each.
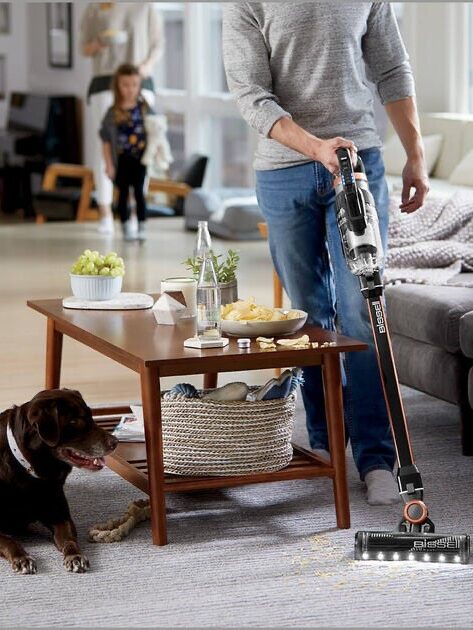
(225, 270)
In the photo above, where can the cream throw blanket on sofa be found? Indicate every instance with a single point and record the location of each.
(433, 244)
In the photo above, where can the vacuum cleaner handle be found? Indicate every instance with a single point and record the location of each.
(355, 207)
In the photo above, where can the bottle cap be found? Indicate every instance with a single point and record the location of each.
(243, 342)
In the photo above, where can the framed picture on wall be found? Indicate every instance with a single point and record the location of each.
(59, 25)
(4, 18)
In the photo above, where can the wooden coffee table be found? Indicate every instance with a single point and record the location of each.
(133, 339)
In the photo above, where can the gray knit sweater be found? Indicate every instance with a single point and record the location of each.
(310, 60)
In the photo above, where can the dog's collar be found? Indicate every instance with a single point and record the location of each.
(17, 454)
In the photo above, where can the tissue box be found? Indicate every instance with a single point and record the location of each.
(167, 310)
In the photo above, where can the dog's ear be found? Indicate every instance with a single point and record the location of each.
(44, 416)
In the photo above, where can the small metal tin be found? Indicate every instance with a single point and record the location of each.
(243, 342)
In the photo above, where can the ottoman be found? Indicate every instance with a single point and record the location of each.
(232, 213)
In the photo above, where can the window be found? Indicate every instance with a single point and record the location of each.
(170, 73)
(176, 132)
(230, 151)
(192, 91)
(215, 79)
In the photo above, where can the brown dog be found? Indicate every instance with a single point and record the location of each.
(40, 441)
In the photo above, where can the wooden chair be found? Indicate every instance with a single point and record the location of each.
(173, 189)
(277, 286)
(190, 175)
(78, 199)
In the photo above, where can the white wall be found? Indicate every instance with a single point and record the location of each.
(14, 46)
(43, 78)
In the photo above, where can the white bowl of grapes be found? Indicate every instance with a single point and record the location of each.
(96, 276)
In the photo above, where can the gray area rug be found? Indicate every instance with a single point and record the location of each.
(257, 556)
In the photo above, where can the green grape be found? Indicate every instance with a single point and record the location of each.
(93, 263)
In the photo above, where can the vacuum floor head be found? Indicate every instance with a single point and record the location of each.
(396, 546)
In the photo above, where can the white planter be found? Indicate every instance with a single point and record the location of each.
(96, 287)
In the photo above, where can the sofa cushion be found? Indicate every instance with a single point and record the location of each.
(394, 155)
(463, 173)
(418, 364)
(454, 129)
(429, 313)
(439, 188)
(466, 334)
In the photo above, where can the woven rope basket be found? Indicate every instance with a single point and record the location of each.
(209, 437)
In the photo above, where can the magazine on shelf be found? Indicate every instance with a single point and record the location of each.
(131, 426)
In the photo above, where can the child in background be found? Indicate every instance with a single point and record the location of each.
(124, 141)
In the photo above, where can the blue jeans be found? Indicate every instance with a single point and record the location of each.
(298, 205)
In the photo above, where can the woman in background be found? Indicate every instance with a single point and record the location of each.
(114, 33)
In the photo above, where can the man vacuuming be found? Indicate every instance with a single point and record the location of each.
(298, 71)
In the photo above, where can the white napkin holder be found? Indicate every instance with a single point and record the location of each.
(167, 310)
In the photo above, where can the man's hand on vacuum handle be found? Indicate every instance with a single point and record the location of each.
(404, 118)
(289, 133)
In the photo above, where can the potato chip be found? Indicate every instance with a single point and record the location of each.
(248, 310)
(226, 308)
(301, 342)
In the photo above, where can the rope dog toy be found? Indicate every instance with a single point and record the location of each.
(116, 529)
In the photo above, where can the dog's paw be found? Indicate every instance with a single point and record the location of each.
(76, 563)
(24, 565)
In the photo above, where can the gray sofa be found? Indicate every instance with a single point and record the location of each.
(466, 342)
(432, 334)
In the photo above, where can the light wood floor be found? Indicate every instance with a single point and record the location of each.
(34, 263)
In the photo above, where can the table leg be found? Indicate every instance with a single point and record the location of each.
(151, 399)
(210, 380)
(53, 355)
(336, 434)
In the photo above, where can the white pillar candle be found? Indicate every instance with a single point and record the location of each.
(188, 287)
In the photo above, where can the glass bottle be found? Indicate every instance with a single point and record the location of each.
(204, 242)
(209, 324)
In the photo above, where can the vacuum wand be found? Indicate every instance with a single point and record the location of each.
(415, 538)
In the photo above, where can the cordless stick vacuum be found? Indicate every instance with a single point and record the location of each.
(359, 231)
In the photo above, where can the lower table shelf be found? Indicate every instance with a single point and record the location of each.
(130, 462)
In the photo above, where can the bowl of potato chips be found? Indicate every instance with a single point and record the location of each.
(246, 318)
